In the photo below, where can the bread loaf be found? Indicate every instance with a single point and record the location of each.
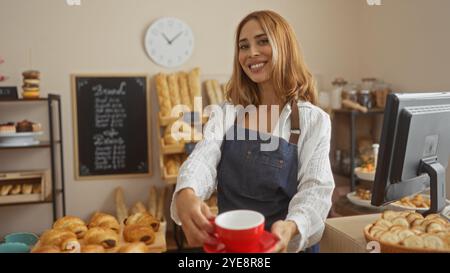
(184, 90)
(218, 90)
(162, 89)
(174, 90)
(211, 92)
(194, 84)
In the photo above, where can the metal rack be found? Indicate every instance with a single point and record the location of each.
(49, 144)
(353, 115)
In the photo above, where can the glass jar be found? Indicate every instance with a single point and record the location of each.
(365, 98)
(338, 86)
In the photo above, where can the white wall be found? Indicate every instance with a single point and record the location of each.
(107, 36)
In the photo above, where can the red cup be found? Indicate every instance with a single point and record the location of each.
(239, 230)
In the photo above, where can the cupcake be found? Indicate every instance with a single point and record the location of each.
(24, 126)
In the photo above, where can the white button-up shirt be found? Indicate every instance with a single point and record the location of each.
(309, 207)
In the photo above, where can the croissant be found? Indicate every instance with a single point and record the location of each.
(433, 242)
(105, 237)
(92, 249)
(74, 224)
(46, 249)
(65, 239)
(143, 218)
(139, 233)
(104, 220)
(138, 247)
(413, 241)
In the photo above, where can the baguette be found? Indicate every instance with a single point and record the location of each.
(161, 202)
(194, 84)
(16, 189)
(353, 105)
(138, 208)
(162, 89)
(6, 189)
(184, 90)
(152, 201)
(174, 90)
(211, 92)
(218, 90)
(121, 208)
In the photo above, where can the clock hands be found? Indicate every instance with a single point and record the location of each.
(170, 41)
(176, 36)
(167, 39)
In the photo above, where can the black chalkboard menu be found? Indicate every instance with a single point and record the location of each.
(111, 126)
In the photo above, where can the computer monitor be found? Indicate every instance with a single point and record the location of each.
(414, 148)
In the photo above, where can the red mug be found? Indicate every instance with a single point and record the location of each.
(239, 230)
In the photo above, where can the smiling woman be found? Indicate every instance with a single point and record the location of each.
(290, 183)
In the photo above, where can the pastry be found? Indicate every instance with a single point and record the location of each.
(162, 89)
(138, 247)
(400, 221)
(389, 215)
(104, 220)
(433, 242)
(143, 218)
(174, 90)
(185, 97)
(9, 127)
(16, 189)
(434, 227)
(27, 188)
(139, 233)
(413, 216)
(102, 236)
(383, 222)
(36, 127)
(74, 224)
(46, 249)
(24, 126)
(6, 189)
(31, 74)
(64, 239)
(138, 207)
(389, 237)
(413, 242)
(405, 233)
(194, 84)
(37, 188)
(92, 249)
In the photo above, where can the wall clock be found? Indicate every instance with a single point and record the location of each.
(169, 42)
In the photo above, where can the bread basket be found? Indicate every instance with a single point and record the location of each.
(393, 248)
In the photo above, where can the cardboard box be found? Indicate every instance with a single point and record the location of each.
(345, 234)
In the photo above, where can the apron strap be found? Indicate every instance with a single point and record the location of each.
(295, 123)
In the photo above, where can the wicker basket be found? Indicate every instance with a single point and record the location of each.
(392, 248)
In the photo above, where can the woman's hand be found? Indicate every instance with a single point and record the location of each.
(194, 215)
(284, 230)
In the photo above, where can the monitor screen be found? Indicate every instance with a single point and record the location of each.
(414, 148)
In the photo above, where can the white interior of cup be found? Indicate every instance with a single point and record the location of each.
(239, 219)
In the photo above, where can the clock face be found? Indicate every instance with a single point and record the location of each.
(169, 42)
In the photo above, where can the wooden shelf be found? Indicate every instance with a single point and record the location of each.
(350, 111)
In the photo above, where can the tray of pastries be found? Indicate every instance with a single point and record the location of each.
(418, 202)
(139, 233)
(409, 231)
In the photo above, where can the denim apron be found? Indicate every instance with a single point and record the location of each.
(264, 181)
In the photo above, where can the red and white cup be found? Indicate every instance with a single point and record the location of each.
(239, 230)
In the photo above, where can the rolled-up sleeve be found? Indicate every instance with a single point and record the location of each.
(311, 204)
(199, 170)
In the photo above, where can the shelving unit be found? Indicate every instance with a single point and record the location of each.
(353, 114)
(52, 143)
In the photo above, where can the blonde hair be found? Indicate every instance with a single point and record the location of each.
(290, 75)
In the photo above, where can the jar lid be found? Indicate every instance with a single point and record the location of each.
(339, 81)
